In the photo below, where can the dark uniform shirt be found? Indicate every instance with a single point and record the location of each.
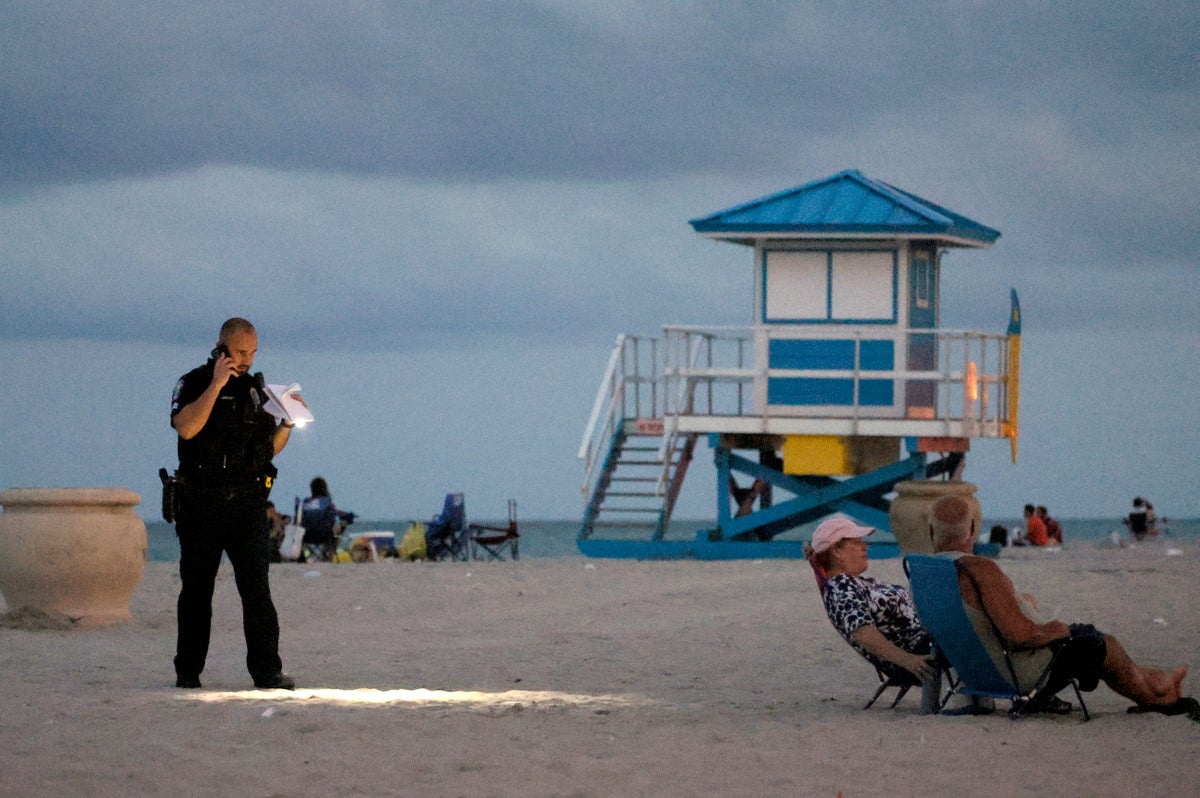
(233, 451)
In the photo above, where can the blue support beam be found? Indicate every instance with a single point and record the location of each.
(815, 497)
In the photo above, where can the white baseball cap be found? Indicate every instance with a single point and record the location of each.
(836, 528)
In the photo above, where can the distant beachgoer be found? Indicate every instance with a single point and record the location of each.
(276, 525)
(1151, 520)
(1035, 530)
(1138, 519)
(1053, 528)
(323, 522)
(998, 535)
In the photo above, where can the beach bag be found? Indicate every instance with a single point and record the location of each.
(412, 545)
(293, 542)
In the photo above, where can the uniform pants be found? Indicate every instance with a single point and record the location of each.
(207, 528)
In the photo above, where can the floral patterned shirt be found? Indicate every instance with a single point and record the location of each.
(856, 601)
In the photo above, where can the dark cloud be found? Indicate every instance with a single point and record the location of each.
(485, 90)
(376, 172)
(334, 263)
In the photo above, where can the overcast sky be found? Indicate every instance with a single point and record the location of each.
(441, 215)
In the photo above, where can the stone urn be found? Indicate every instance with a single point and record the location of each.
(909, 513)
(72, 552)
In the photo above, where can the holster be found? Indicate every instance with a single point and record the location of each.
(170, 486)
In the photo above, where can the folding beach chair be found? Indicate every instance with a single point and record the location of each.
(491, 542)
(446, 534)
(935, 592)
(320, 538)
(902, 681)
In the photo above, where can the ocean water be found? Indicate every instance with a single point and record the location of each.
(557, 538)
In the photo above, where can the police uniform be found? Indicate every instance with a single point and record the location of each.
(224, 475)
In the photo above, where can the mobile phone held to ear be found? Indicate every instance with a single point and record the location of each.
(218, 350)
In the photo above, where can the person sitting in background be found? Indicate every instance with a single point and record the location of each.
(323, 522)
(877, 619)
(1137, 520)
(998, 535)
(1088, 655)
(276, 529)
(1053, 528)
(1035, 530)
(1151, 520)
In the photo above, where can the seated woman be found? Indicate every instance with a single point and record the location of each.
(876, 618)
(323, 522)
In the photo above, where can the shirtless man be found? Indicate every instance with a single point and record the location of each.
(1091, 654)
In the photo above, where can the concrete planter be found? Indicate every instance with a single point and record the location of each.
(909, 513)
(75, 552)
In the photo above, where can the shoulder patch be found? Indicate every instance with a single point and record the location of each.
(175, 397)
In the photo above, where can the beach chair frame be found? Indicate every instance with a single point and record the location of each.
(320, 529)
(492, 542)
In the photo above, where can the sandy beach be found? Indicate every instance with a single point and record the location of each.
(575, 677)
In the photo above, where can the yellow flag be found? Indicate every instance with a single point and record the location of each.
(1014, 374)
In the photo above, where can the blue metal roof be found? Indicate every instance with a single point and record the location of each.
(847, 204)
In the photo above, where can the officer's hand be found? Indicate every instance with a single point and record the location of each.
(223, 369)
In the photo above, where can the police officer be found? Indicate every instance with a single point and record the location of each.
(226, 444)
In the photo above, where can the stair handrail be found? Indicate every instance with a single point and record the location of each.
(676, 399)
(609, 395)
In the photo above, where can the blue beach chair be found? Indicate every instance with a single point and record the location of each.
(446, 535)
(319, 519)
(936, 595)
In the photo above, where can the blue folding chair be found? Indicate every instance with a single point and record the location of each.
(446, 534)
(318, 521)
(934, 581)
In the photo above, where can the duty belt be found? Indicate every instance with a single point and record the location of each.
(219, 483)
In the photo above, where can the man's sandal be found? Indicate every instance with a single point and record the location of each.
(1184, 706)
(1049, 705)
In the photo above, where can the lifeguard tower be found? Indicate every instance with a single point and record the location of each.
(844, 385)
